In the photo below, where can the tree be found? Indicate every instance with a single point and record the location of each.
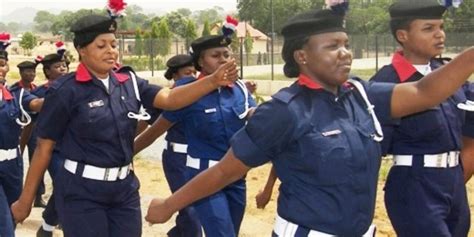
(177, 23)
(43, 21)
(28, 42)
(248, 45)
(164, 38)
(210, 15)
(206, 30)
(138, 43)
(190, 33)
(184, 12)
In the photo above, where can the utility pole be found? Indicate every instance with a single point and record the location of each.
(272, 37)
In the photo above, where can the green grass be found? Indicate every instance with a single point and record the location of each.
(384, 168)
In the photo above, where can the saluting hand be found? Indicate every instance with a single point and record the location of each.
(226, 74)
(158, 211)
(20, 211)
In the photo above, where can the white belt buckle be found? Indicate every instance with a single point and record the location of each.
(440, 160)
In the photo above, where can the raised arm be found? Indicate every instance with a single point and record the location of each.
(228, 170)
(409, 98)
(176, 98)
(22, 207)
(147, 137)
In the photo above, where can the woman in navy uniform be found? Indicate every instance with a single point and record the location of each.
(425, 193)
(54, 66)
(93, 112)
(208, 126)
(174, 154)
(321, 134)
(13, 116)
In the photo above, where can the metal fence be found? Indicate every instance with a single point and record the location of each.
(362, 46)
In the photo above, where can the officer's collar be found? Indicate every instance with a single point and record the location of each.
(22, 85)
(306, 81)
(402, 66)
(5, 93)
(83, 75)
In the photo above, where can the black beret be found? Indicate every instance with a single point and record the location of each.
(313, 22)
(51, 59)
(177, 62)
(207, 42)
(87, 28)
(4, 55)
(26, 65)
(419, 9)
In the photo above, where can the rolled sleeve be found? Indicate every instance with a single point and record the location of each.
(26, 100)
(380, 95)
(54, 116)
(148, 92)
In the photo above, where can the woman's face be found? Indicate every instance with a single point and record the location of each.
(56, 70)
(4, 68)
(188, 71)
(212, 59)
(326, 58)
(101, 55)
(28, 74)
(424, 38)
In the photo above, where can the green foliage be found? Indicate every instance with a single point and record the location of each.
(190, 33)
(43, 21)
(138, 50)
(215, 14)
(164, 37)
(248, 43)
(177, 23)
(206, 30)
(28, 42)
(143, 64)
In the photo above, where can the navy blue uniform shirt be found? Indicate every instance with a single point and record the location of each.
(210, 122)
(9, 112)
(92, 123)
(322, 148)
(436, 130)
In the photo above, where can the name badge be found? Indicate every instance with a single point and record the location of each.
(97, 103)
(208, 111)
(331, 133)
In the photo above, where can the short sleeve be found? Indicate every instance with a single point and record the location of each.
(148, 92)
(172, 116)
(266, 134)
(54, 116)
(380, 95)
(468, 126)
(26, 99)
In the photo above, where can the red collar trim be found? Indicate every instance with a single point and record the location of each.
(6, 94)
(306, 81)
(21, 85)
(83, 75)
(402, 66)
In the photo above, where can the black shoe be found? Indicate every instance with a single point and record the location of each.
(39, 202)
(43, 233)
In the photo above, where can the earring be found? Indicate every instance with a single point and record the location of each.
(304, 62)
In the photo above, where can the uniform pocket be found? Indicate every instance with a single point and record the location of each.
(325, 156)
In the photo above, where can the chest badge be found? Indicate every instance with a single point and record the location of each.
(331, 133)
(212, 110)
(97, 103)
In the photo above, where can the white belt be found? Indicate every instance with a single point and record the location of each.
(97, 173)
(195, 163)
(178, 147)
(443, 160)
(284, 228)
(9, 154)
